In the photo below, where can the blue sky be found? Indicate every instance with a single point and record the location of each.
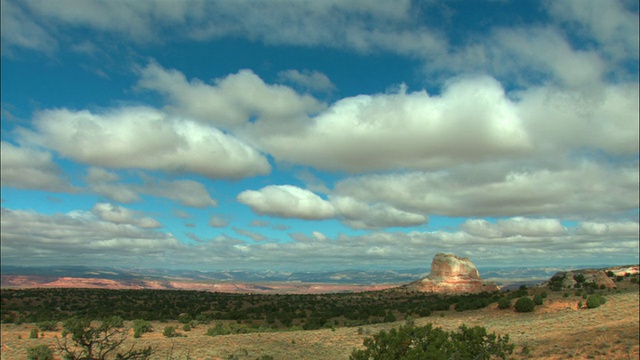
(319, 135)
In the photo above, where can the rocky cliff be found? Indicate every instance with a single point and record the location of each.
(452, 274)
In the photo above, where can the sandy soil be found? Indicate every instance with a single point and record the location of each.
(555, 330)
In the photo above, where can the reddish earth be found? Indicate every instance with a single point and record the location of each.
(27, 281)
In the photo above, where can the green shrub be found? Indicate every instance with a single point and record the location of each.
(33, 334)
(555, 283)
(593, 301)
(504, 303)
(219, 329)
(537, 300)
(170, 331)
(40, 352)
(525, 304)
(427, 342)
(544, 294)
(140, 327)
(185, 318)
(186, 327)
(602, 299)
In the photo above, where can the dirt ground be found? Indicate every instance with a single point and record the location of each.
(555, 330)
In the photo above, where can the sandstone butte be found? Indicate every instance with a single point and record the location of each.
(452, 274)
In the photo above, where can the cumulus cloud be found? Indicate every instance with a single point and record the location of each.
(218, 221)
(541, 242)
(231, 101)
(471, 121)
(627, 228)
(145, 138)
(120, 215)
(27, 168)
(32, 237)
(250, 234)
(105, 183)
(545, 51)
(287, 201)
(517, 226)
(29, 238)
(360, 215)
(601, 119)
(503, 190)
(313, 81)
(186, 192)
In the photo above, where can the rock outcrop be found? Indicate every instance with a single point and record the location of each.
(452, 274)
(578, 278)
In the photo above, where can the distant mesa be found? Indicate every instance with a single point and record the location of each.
(452, 274)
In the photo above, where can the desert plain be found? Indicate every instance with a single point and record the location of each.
(558, 329)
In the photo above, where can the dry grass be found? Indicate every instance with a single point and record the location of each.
(555, 330)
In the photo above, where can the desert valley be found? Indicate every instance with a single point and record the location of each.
(329, 321)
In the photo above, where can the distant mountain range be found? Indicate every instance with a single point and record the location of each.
(335, 277)
(252, 281)
(500, 276)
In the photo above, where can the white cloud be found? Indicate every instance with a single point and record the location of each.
(137, 21)
(360, 215)
(120, 215)
(231, 101)
(20, 29)
(627, 228)
(218, 221)
(104, 183)
(287, 201)
(186, 192)
(600, 119)
(313, 81)
(517, 226)
(546, 51)
(144, 138)
(363, 26)
(250, 234)
(471, 121)
(506, 189)
(614, 27)
(33, 238)
(30, 238)
(26, 168)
